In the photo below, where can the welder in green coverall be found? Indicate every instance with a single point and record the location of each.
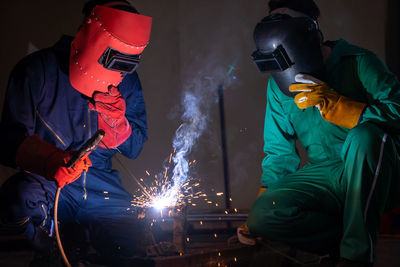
(346, 114)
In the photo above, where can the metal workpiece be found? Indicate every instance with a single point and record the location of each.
(180, 229)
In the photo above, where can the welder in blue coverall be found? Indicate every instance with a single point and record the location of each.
(56, 99)
(343, 104)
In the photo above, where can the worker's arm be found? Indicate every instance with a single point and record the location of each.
(383, 91)
(279, 139)
(24, 93)
(20, 146)
(131, 90)
(40, 157)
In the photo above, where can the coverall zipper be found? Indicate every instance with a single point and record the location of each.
(378, 168)
(51, 130)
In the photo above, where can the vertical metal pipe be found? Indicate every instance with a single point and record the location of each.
(224, 148)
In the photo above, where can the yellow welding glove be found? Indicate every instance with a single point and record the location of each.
(243, 233)
(333, 107)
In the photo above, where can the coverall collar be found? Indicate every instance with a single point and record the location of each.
(341, 48)
(62, 48)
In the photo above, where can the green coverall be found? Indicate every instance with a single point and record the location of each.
(352, 177)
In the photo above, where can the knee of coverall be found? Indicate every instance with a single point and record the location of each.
(255, 218)
(267, 210)
(364, 139)
(23, 202)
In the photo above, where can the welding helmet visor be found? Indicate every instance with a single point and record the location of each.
(269, 61)
(287, 46)
(114, 60)
(108, 46)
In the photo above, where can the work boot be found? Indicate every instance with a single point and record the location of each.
(349, 263)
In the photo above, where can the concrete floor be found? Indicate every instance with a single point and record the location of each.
(15, 252)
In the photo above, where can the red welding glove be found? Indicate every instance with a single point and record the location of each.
(111, 117)
(37, 156)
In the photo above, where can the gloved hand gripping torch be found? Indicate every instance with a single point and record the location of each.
(86, 148)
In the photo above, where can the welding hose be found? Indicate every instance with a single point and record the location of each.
(87, 148)
(60, 247)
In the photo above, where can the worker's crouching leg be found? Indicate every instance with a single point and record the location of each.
(26, 202)
(278, 215)
(370, 185)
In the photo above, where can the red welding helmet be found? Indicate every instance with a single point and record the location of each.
(107, 46)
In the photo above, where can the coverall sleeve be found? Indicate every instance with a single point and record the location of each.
(279, 140)
(383, 92)
(131, 90)
(23, 95)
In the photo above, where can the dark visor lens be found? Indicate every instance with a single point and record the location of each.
(277, 60)
(118, 61)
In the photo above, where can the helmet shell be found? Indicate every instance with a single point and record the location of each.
(300, 40)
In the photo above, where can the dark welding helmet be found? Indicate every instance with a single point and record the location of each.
(287, 46)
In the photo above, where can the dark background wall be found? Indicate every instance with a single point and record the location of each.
(193, 45)
(392, 36)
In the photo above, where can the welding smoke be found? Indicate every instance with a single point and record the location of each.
(203, 71)
(198, 96)
(194, 123)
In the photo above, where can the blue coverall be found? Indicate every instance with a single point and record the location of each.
(40, 100)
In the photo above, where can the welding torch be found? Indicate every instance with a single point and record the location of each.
(86, 148)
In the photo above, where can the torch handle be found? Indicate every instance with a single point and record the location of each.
(88, 147)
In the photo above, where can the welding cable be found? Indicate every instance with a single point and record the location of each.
(56, 228)
(128, 171)
(86, 149)
(64, 256)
